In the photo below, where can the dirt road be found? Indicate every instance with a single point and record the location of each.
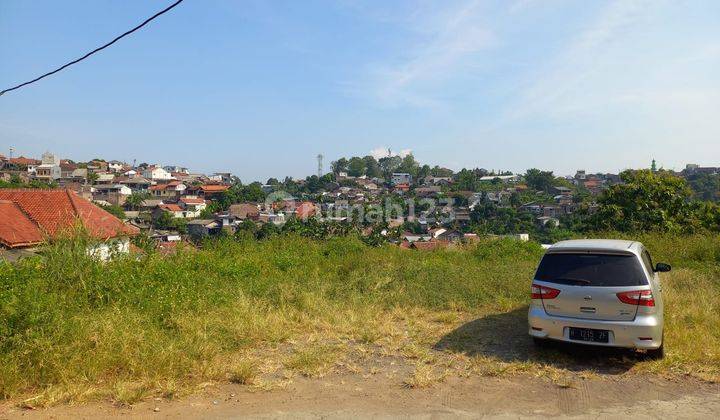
(352, 396)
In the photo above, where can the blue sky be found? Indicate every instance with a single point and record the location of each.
(260, 88)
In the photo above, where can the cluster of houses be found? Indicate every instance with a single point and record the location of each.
(148, 192)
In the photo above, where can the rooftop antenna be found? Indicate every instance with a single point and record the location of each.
(320, 165)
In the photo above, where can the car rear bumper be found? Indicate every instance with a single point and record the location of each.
(629, 334)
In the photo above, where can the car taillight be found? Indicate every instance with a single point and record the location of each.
(543, 292)
(637, 297)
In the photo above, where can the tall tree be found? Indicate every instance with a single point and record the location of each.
(539, 180)
(340, 165)
(372, 169)
(646, 201)
(356, 166)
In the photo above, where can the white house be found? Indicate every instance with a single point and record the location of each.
(49, 169)
(115, 166)
(193, 206)
(156, 173)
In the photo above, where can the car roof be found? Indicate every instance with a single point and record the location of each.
(602, 245)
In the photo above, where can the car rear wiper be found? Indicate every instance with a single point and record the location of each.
(569, 279)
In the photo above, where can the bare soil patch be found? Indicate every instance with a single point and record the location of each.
(383, 395)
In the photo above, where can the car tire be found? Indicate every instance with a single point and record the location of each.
(539, 342)
(658, 353)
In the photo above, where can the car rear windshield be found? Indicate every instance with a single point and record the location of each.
(602, 270)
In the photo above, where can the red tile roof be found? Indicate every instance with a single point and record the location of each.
(305, 210)
(22, 160)
(170, 207)
(16, 229)
(188, 200)
(53, 212)
(214, 188)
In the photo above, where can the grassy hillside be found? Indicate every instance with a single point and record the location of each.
(259, 312)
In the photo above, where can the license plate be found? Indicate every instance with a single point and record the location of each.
(588, 334)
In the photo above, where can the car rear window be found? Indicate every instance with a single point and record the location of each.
(591, 270)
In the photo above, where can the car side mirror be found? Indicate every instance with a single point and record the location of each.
(662, 267)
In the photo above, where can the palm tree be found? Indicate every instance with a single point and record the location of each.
(135, 200)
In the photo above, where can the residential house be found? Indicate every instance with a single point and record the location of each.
(136, 183)
(462, 215)
(245, 211)
(150, 204)
(67, 168)
(79, 175)
(306, 210)
(104, 178)
(399, 178)
(97, 166)
(22, 164)
(211, 191)
(177, 169)
(268, 217)
(175, 211)
(428, 192)
(438, 180)
(171, 191)
(49, 169)
(413, 237)
(115, 166)
(449, 236)
(202, 228)
(401, 188)
(193, 206)
(222, 177)
(29, 216)
(115, 194)
(156, 173)
(561, 191)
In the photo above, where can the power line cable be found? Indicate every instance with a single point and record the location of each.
(148, 20)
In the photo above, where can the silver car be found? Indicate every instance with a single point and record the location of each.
(598, 292)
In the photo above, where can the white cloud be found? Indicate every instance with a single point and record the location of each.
(381, 152)
(569, 76)
(448, 39)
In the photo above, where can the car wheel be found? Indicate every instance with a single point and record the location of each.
(539, 342)
(658, 353)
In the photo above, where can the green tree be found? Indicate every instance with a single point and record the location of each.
(409, 165)
(340, 165)
(136, 199)
(705, 186)
(389, 164)
(465, 180)
(646, 201)
(356, 166)
(92, 177)
(116, 211)
(539, 180)
(441, 172)
(372, 168)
